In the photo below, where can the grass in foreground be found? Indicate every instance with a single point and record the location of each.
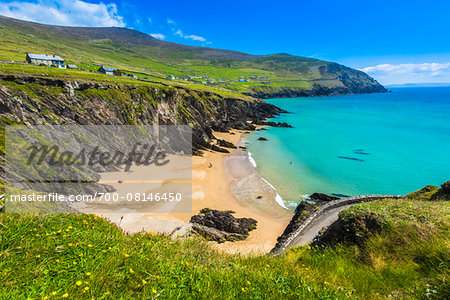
(58, 256)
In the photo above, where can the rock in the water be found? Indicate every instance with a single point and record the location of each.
(273, 124)
(222, 226)
(262, 139)
(322, 197)
(446, 187)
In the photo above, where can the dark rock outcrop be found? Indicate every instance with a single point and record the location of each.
(222, 226)
(272, 124)
(227, 144)
(302, 212)
(446, 187)
(322, 197)
(262, 139)
(355, 230)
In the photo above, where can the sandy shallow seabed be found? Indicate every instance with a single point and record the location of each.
(212, 188)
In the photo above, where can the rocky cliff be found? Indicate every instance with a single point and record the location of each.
(44, 100)
(337, 80)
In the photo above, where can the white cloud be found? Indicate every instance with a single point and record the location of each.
(410, 73)
(169, 21)
(64, 12)
(158, 36)
(192, 37)
(195, 38)
(149, 20)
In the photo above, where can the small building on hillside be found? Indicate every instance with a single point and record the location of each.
(106, 70)
(48, 60)
(171, 77)
(72, 67)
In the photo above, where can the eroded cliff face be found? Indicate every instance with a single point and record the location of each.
(336, 80)
(43, 100)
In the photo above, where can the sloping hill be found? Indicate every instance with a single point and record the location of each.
(128, 49)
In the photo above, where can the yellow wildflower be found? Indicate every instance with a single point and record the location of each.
(107, 293)
(90, 245)
(86, 288)
(88, 274)
(69, 244)
(154, 291)
(65, 295)
(144, 281)
(131, 271)
(126, 255)
(54, 293)
(57, 261)
(79, 282)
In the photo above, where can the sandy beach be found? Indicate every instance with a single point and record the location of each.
(230, 184)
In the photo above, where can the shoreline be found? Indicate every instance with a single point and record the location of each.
(241, 183)
(232, 183)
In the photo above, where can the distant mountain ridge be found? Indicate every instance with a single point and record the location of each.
(283, 75)
(420, 84)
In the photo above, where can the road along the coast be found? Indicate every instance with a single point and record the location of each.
(324, 217)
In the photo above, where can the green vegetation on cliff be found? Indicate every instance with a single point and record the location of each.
(389, 249)
(153, 60)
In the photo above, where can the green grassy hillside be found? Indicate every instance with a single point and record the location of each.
(83, 257)
(154, 59)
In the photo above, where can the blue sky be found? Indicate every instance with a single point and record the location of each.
(394, 41)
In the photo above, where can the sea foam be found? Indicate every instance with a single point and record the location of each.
(250, 158)
(278, 198)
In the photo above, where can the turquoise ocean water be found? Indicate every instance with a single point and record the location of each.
(391, 143)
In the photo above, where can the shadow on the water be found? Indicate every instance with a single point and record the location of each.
(350, 158)
(360, 151)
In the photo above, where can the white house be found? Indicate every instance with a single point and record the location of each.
(48, 60)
